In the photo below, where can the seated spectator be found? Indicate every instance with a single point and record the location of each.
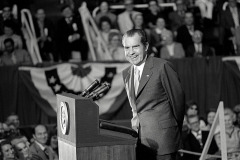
(153, 13)
(186, 31)
(210, 118)
(196, 139)
(138, 23)
(198, 48)
(7, 151)
(176, 18)
(39, 146)
(232, 135)
(171, 49)
(115, 46)
(104, 12)
(45, 34)
(12, 56)
(206, 8)
(156, 35)
(70, 36)
(105, 27)
(192, 109)
(125, 19)
(9, 32)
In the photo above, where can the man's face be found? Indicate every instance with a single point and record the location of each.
(194, 124)
(8, 152)
(13, 118)
(41, 134)
(210, 117)
(160, 23)
(67, 12)
(9, 48)
(192, 110)
(23, 149)
(40, 15)
(153, 6)
(197, 37)
(188, 19)
(138, 20)
(135, 51)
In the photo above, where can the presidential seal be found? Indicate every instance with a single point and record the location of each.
(64, 118)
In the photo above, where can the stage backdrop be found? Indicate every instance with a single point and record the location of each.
(31, 91)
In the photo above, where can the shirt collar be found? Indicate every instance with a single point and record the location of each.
(40, 145)
(140, 68)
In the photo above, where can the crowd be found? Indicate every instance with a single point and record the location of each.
(27, 143)
(198, 28)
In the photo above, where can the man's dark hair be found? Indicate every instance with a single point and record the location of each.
(12, 42)
(105, 19)
(140, 32)
(34, 128)
(192, 116)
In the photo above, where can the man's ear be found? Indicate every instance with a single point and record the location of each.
(146, 46)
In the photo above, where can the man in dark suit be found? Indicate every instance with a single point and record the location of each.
(156, 98)
(196, 139)
(185, 32)
(70, 35)
(198, 48)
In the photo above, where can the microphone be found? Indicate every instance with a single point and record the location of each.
(100, 91)
(90, 88)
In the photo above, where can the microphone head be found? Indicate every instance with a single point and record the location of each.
(90, 88)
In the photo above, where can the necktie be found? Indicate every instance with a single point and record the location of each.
(136, 80)
(199, 138)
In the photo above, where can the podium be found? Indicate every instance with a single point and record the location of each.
(81, 138)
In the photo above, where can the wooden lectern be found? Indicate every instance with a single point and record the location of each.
(81, 138)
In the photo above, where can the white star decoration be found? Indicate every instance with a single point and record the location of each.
(57, 87)
(52, 80)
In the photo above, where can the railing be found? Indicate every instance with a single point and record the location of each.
(173, 5)
(30, 36)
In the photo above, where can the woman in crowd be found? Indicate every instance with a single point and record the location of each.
(115, 48)
(104, 12)
(210, 118)
(105, 27)
(171, 49)
(7, 151)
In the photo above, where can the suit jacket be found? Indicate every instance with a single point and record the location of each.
(190, 143)
(206, 51)
(125, 22)
(36, 150)
(159, 105)
(184, 37)
(178, 52)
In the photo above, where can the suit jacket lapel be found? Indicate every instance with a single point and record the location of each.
(146, 74)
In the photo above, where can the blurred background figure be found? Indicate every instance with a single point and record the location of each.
(9, 32)
(104, 12)
(125, 19)
(171, 49)
(105, 27)
(45, 34)
(14, 56)
(199, 48)
(156, 35)
(153, 13)
(210, 118)
(115, 46)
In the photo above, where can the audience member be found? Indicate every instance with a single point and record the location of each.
(156, 35)
(70, 36)
(39, 146)
(171, 49)
(210, 118)
(153, 13)
(192, 110)
(199, 48)
(125, 19)
(12, 56)
(9, 32)
(230, 19)
(176, 18)
(196, 139)
(236, 109)
(186, 31)
(7, 151)
(232, 135)
(115, 46)
(206, 8)
(45, 34)
(139, 23)
(105, 27)
(104, 12)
